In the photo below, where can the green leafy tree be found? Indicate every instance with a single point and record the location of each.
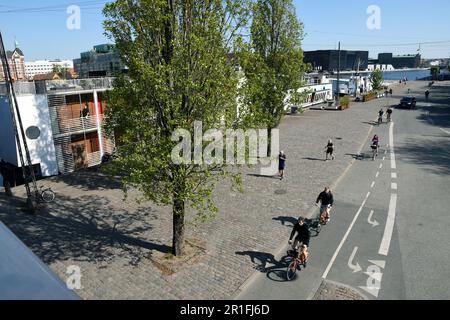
(272, 62)
(180, 71)
(376, 78)
(435, 70)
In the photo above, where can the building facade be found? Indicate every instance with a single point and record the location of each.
(69, 117)
(328, 60)
(102, 61)
(410, 61)
(16, 62)
(39, 67)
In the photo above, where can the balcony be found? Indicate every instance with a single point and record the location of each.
(76, 125)
(73, 85)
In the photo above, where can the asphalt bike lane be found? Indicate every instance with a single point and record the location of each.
(366, 256)
(330, 250)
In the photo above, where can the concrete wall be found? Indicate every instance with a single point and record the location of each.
(34, 112)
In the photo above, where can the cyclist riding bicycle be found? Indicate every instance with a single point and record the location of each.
(303, 234)
(326, 199)
(375, 144)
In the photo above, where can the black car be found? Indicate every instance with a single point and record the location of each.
(407, 102)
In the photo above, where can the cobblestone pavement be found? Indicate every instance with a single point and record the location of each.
(111, 240)
(330, 290)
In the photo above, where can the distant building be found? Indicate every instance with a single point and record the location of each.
(102, 61)
(410, 61)
(328, 60)
(16, 62)
(40, 67)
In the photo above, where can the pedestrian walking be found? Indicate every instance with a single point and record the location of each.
(329, 150)
(281, 164)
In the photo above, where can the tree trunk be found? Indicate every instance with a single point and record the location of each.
(178, 226)
(269, 142)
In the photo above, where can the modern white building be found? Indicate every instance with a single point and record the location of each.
(61, 137)
(33, 68)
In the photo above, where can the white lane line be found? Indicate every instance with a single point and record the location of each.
(394, 175)
(327, 270)
(384, 158)
(447, 132)
(391, 144)
(378, 173)
(381, 165)
(389, 229)
(373, 183)
(393, 186)
(385, 151)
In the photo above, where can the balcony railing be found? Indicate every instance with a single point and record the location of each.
(67, 126)
(53, 86)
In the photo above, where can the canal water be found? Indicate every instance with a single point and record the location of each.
(409, 74)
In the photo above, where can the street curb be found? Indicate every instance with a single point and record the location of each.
(309, 214)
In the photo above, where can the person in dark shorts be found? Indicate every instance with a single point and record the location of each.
(329, 150)
(281, 164)
(303, 234)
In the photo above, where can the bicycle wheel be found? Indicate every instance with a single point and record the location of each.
(291, 270)
(48, 195)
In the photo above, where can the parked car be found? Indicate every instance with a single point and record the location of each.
(408, 103)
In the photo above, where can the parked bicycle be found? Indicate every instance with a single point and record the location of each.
(44, 195)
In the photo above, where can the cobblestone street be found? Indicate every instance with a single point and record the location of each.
(112, 241)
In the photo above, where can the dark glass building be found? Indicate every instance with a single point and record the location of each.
(328, 60)
(399, 62)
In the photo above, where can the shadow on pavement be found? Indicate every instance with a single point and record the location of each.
(431, 154)
(286, 221)
(90, 179)
(314, 159)
(85, 228)
(276, 272)
(262, 176)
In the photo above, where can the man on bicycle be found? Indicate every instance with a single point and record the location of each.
(326, 199)
(303, 234)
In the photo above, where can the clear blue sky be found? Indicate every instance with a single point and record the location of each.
(40, 26)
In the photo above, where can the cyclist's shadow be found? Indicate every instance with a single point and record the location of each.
(266, 263)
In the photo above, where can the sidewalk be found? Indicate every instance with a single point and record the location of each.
(112, 241)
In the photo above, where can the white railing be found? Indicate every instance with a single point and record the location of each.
(77, 124)
(78, 84)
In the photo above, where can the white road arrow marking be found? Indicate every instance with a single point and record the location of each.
(374, 223)
(357, 267)
(380, 263)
